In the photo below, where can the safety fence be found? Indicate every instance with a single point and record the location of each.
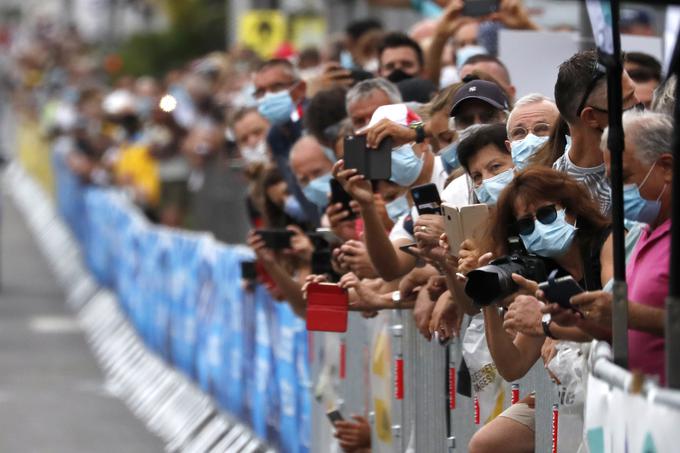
(183, 294)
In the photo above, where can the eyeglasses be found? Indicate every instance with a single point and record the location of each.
(546, 215)
(539, 129)
(598, 73)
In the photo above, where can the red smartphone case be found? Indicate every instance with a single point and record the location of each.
(327, 307)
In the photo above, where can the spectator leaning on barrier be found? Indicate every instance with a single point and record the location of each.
(581, 97)
(556, 221)
(647, 173)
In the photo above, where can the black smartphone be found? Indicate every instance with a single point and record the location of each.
(379, 161)
(334, 416)
(426, 198)
(321, 262)
(561, 290)
(479, 8)
(374, 164)
(276, 239)
(339, 195)
(248, 270)
(358, 75)
(409, 248)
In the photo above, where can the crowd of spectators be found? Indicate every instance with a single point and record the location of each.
(232, 143)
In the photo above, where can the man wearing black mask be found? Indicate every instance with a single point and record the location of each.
(400, 58)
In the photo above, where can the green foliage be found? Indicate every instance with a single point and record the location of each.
(196, 27)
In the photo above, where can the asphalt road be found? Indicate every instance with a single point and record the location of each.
(52, 394)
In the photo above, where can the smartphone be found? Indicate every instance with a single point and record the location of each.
(479, 8)
(334, 416)
(426, 198)
(408, 248)
(374, 164)
(339, 195)
(328, 235)
(327, 307)
(474, 219)
(321, 262)
(466, 222)
(248, 270)
(561, 290)
(276, 239)
(453, 228)
(357, 75)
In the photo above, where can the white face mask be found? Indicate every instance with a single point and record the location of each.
(372, 65)
(255, 154)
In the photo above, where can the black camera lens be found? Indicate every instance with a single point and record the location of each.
(494, 282)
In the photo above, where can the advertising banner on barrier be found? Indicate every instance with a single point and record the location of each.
(616, 421)
(184, 295)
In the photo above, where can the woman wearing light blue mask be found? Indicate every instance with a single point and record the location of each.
(556, 218)
(487, 161)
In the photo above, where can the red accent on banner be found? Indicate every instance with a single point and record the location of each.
(515, 393)
(399, 378)
(477, 415)
(452, 388)
(555, 419)
(343, 359)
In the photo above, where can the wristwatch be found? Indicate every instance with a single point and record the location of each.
(420, 131)
(396, 297)
(545, 322)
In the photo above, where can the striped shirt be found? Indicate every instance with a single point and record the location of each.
(594, 179)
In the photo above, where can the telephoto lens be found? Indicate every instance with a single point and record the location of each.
(493, 282)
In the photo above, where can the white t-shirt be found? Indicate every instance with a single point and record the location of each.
(459, 192)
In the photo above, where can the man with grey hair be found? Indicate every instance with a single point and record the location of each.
(365, 97)
(647, 178)
(529, 125)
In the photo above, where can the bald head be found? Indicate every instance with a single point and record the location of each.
(308, 161)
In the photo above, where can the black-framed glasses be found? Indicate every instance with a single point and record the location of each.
(546, 215)
(597, 75)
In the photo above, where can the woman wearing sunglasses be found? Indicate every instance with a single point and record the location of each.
(556, 219)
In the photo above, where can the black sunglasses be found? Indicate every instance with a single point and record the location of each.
(546, 215)
(598, 73)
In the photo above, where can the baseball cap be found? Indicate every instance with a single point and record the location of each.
(483, 90)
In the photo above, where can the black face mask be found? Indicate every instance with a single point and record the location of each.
(130, 123)
(398, 75)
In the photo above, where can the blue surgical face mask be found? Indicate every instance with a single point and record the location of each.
(329, 153)
(552, 240)
(276, 107)
(397, 208)
(317, 190)
(293, 208)
(346, 60)
(523, 150)
(465, 53)
(406, 166)
(449, 155)
(637, 208)
(490, 189)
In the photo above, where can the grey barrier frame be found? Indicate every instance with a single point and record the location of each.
(603, 368)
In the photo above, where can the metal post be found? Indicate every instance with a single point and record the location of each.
(673, 299)
(616, 145)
